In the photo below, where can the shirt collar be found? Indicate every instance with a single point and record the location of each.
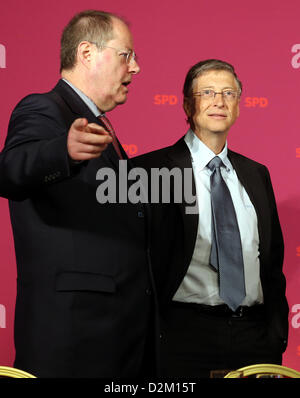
(201, 154)
(91, 104)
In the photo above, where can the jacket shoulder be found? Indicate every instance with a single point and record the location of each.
(236, 157)
(154, 158)
(36, 103)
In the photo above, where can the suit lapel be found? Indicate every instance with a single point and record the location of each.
(179, 156)
(254, 185)
(76, 108)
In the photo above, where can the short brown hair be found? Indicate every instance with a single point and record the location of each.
(91, 25)
(205, 66)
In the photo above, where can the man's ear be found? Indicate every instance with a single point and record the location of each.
(238, 110)
(84, 53)
(187, 106)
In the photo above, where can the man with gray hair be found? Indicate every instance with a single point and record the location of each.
(85, 303)
(219, 272)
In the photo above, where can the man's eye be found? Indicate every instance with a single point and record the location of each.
(207, 92)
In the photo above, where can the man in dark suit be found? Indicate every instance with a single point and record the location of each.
(213, 321)
(84, 304)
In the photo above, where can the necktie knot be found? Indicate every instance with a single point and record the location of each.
(111, 131)
(107, 124)
(216, 162)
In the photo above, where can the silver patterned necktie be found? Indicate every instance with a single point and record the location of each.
(226, 252)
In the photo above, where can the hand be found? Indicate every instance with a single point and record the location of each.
(87, 140)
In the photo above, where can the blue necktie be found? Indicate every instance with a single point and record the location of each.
(226, 253)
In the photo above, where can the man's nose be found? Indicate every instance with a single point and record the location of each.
(218, 99)
(134, 67)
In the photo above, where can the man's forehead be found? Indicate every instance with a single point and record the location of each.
(215, 77)
(120, 28)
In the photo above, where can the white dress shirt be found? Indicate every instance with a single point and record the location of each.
(200, 284)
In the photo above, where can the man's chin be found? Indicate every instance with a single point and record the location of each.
(220, 129)
(121, 100)
(112, 106)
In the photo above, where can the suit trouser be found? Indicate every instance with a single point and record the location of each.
(196, 342)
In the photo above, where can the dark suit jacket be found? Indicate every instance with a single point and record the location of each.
(84, 290)
(174, 235)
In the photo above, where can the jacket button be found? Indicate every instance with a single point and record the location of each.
(148, 292)
(140, 214)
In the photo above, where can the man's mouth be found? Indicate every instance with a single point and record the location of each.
(125, 85)
(217, 115)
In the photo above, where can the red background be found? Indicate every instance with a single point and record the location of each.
(260, 38)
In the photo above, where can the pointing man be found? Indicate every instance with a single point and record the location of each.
(84, 299)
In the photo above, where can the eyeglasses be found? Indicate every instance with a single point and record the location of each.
(129, 55)
(209, 94)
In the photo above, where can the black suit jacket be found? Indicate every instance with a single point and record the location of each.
(84, 303)
(174, 234)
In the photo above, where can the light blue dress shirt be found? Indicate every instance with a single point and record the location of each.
(200, 284)
(92, 106)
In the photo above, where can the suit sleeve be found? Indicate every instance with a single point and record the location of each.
(277, 283)
(35, 152)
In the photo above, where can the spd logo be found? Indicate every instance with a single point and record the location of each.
(164, 99)
(298, 248)
(297, 152)
(2, 56)
(2, 316)
(130, 149)
(253, 102)
(296, 58)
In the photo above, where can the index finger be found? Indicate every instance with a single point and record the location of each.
(94, 128)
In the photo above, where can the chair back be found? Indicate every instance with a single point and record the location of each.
(263, 371)
(6, 371)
